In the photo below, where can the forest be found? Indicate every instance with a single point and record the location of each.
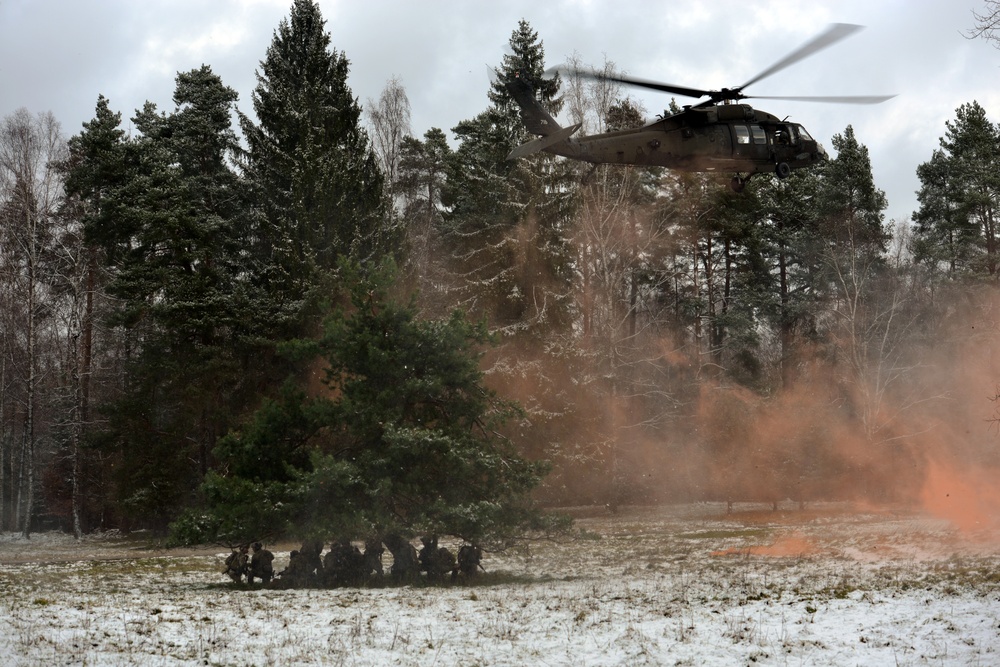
(236, 318)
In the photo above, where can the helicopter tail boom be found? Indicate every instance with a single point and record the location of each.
(541, 143)
(536, 119)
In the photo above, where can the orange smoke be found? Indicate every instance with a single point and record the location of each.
(968, 498)
(786, 546)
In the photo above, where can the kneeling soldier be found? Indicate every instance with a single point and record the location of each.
(236, 564)
(261, 564)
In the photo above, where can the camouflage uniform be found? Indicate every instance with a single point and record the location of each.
(236, 564)
(469, 558)
(292, 573)
(373, 558)
(405, 565)
(304, 565)
(435, 560)
(261, 564)
(343, 564)
(313, 564)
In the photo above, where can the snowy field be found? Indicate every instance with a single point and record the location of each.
(680, 585)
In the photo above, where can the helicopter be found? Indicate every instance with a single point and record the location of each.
(719, 134)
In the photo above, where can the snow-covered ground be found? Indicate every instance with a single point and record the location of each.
(679, 585)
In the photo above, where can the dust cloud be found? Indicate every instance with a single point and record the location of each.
(912, 429)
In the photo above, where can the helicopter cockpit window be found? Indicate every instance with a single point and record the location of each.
(758, 134)
(742, 134)
(793, 134)
(802, 133)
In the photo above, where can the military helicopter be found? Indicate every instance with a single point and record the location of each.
(717, 135)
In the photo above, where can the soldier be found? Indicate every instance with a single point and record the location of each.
(435, 560)
(292, 574)
(304, 565)
(313, 564)
(405, 565)
(427, 552)
(261, 564)
(343, 564)
(373, 558)
(469, 558)
(236, 564)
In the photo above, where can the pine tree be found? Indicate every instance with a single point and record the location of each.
(162, 209)
(791, 248)
(422, 178)
(870, 314)
(405, 440)
(93, 171)
(957, 224)
(853, 208)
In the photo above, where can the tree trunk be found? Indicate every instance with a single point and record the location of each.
(786, 324)
(28, 456)
(5, 451)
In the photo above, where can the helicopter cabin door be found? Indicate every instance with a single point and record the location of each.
(749, 142)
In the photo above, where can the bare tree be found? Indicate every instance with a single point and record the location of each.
(987, 23)
(872, 323)
(589, 98)
(389, 119)
(30, 195)
(74, 285)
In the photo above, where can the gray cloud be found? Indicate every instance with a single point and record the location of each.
(59, 55)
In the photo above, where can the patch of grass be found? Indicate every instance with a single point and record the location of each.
(838, 591)
(584, 534)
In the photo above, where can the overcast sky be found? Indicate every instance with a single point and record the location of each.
(59, 55)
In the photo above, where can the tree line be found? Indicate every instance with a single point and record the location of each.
(319, 323)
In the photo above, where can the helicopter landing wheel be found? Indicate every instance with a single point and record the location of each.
(782, 170)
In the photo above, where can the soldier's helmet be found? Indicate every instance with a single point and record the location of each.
(257, 546)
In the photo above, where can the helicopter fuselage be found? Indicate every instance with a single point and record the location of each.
(732, 138)
(718, 134)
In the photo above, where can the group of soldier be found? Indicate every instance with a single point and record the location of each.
(259, 565)
(347, 565)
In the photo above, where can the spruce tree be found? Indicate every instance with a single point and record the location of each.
(314, 182)
(508, 223)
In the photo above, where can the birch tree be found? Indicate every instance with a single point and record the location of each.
(389, 119)
(30, 195)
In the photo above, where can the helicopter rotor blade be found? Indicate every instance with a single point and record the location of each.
(835, 99)
(833, 34)
(632, 81)
(830, 36)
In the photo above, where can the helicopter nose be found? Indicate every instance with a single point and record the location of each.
(821, 152)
